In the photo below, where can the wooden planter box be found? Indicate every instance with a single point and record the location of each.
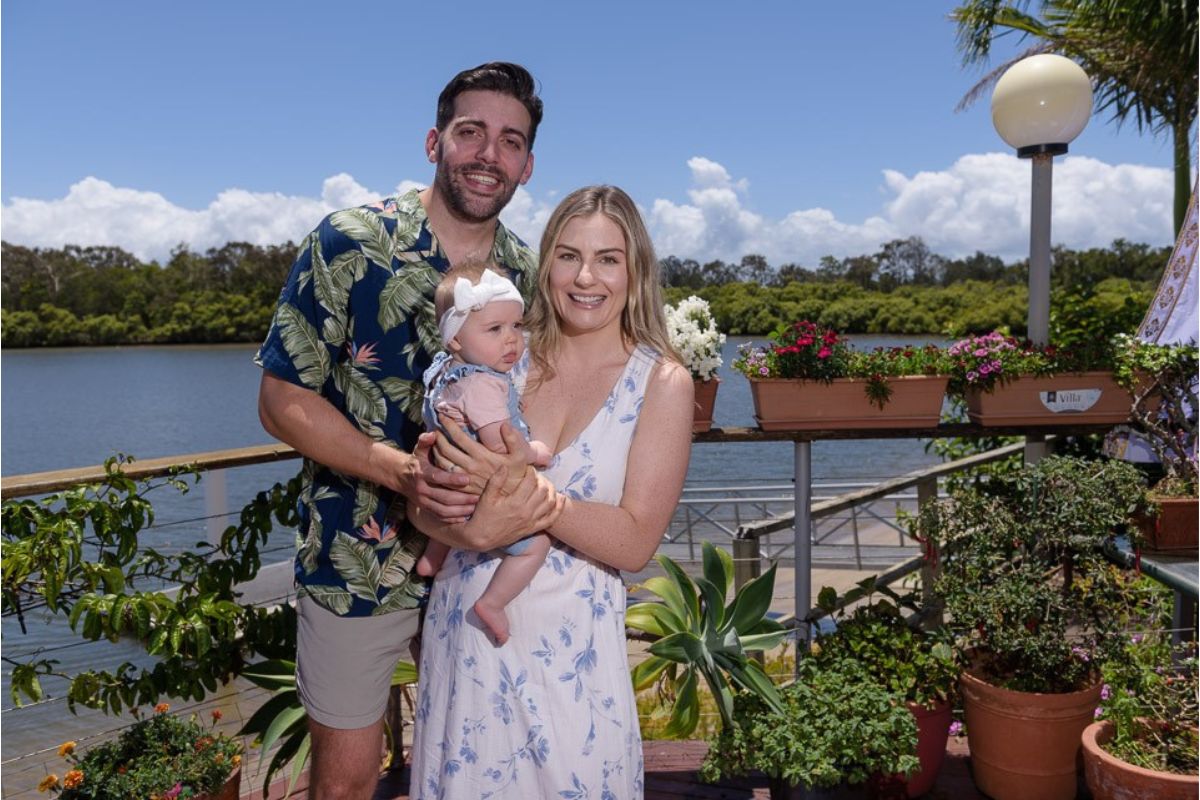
(1175, 529)
(790, 405)
(1087, 398)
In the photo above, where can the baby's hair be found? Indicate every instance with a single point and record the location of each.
(472, 269)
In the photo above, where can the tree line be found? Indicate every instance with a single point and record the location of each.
(106, 296)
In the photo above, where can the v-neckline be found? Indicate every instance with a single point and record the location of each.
(611, 390)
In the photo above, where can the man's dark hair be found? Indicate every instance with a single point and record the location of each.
(495, 76)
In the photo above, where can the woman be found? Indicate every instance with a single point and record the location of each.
(552, 713)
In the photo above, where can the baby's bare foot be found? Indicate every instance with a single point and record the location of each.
(494, 618)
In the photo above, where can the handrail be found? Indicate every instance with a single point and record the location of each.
(41, 482)
(753, 530)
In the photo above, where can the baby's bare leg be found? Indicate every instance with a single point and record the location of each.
(512, 576)
(431, 560)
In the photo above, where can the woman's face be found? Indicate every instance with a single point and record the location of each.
(589, 275)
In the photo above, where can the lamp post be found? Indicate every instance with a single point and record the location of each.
(1039, 106)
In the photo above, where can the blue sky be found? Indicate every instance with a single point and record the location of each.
(794, 129)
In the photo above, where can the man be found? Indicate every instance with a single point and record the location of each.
(352, 334)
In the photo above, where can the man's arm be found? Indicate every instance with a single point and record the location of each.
(308, 422)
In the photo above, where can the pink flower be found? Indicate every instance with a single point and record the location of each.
(174, 791)
(956, 728)
(980, 353)
(372, 532)
(1105, 692)
(763, 371)
(365, 355)
(972, 376)
(824, 352)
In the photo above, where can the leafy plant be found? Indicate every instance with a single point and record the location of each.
(1024, 579)
(1163, 379)
(702, 637)
(80, 554)
(920, 667)
(162, 756)
(283, 718)
(838, 725)
(694, 335)
(1149, 696)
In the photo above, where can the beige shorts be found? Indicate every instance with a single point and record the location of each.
(344, 665)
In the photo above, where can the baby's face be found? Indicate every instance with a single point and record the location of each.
(491, 336)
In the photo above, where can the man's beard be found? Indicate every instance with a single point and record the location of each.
(466, 206)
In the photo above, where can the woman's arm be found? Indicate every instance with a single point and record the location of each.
(627, 535)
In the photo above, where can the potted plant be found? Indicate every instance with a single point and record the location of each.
(695, 337)
(1007, 382)
(162, 756)
(811, 379)
(1162, 379)
(1031, 596)
(1144, 741)
(702, 637)
(918, 667)
(839, 727)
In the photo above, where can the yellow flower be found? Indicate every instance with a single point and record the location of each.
(236, 760)
(73, 778)
(162, 708)
(65, 749)
(49, 782)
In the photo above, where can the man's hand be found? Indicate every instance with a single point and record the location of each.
(474, 459)
(502, 517)
(444, 494)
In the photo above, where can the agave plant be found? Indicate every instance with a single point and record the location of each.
(701, 636)
(283, 718)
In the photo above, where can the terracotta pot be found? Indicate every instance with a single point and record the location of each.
(933, 729)
(788, 405)
(1176, 528)
(1110, 778)
(1025, 745)
(706, 398)
(1088, 398)
(230, 790)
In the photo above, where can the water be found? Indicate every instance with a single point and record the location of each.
(75, 407)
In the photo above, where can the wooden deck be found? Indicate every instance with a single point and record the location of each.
(671, 775)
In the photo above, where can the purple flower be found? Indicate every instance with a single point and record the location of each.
(1105, 692)
(956, 728)
(972, 376)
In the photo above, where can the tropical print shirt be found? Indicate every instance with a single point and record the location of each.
(355, 323)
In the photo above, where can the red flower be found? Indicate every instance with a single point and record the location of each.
(824, 352)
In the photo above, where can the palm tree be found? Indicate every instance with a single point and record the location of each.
(1140, 54)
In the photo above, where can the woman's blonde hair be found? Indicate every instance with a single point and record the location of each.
(642, 319)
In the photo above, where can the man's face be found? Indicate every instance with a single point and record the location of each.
(483, 154)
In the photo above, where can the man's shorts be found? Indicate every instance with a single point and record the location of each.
(344, 665)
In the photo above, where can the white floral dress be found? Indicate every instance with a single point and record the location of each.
(550, 714)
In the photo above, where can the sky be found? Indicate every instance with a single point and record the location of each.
(789, 128)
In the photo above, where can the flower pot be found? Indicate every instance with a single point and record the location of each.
(790, 405)
(230, 790)
(1176, 528)
(1025, 745)
(706, 398)
(1110, 778)
(933, 729)
(1088, 398)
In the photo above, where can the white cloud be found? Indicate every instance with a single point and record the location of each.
(980, 202)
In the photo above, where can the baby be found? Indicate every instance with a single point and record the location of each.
(479, 315)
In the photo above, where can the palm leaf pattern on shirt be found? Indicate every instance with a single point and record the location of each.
(366, 500)
(367, 229)
(334, 598)
(364, 400)
(407, 395)
(404, 292)
(303, 346)
(357, 564)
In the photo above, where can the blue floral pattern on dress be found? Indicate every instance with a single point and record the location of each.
(550, 714)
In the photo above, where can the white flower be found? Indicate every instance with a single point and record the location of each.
(695, 337)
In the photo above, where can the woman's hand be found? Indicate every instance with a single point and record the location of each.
(501, 516)
(465, 455)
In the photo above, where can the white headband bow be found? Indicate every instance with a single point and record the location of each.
(470, 297)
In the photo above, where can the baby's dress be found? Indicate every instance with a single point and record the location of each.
(448, 386)
(551, 713)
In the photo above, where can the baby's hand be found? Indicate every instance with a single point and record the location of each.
(541, 454)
